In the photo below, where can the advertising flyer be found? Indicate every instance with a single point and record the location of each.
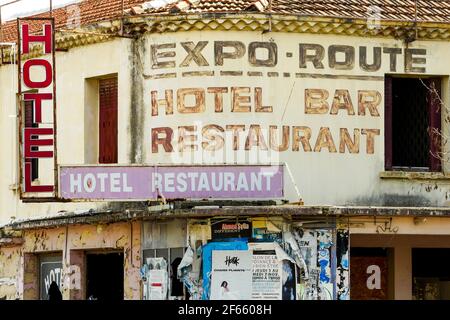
(157, 279)
(266, 280)
(231, 277)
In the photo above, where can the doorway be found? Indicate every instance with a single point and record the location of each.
(430, 272)
(369, 273)
(104, 276)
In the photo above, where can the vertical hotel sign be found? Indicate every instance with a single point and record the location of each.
(37, 111)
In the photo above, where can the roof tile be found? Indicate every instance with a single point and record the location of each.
(97, 10)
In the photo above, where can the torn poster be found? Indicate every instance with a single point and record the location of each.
(326, 286)
(342, 256)
(157, 279)
(189, 272)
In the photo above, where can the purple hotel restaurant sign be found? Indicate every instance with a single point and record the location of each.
(170, 182)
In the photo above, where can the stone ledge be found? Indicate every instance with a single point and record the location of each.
(288, 211)
(414, 175)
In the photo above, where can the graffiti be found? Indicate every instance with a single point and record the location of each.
(387, 227)
(50, 272)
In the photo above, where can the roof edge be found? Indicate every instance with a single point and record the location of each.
(291, 211)
(255, 22)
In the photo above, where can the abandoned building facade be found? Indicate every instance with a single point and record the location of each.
(226, 150)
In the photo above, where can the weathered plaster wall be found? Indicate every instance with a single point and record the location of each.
(20, 265)
(75, 70)
(192, 77)
(400, 225)
(9, 269)
(402, 245)
(318, 173)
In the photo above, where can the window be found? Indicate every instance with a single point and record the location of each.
(108, 120)
(29, 123)
(412, 120)
(430, 283)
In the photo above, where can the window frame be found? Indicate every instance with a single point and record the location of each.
(434, 111)
(102, 137)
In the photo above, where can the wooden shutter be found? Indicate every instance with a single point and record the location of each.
(434, 109)
(108, 120)
(388, 123)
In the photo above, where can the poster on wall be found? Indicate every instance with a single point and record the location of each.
(231, 276)
(157, 279)
(266, 278)
(231, 229)
(49, 271)
(288, 279)
(266, 231)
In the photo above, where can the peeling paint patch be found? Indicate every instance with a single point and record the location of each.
(7, 281)
(136, 121)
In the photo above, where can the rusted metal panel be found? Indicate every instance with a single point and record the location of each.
(364, 283)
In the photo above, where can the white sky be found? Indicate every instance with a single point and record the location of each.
(28, 7)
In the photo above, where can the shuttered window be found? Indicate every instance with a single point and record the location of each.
(108, 97)
(412, 124)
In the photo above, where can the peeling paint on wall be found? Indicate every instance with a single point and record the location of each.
(19, 266)
(9, 263)
(136, 123)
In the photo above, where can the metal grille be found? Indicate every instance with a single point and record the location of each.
(410, 121)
